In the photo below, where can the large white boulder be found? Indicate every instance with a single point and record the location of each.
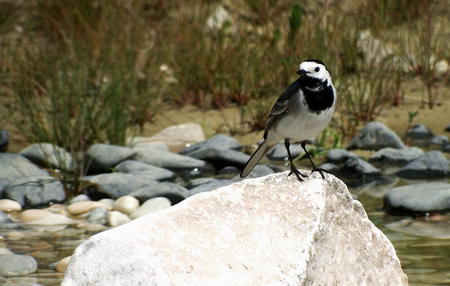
(271, 230)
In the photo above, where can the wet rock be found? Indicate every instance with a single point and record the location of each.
(169, 160)
(221, 158)
(35, 191)
(175, 193)
(13, 166)
(200, 181)
(103, 157)
(374, 136)
(398, 157)
(279, 153)
(439, 141)
(61, 266)
(115, 185)
(219, 141)
(147, 170)
(422, 228)
(4, 140)
(177, 135)
(98, 215)
(14, 265)
(446, 148)
(43, 218)
(126, 204)
(419, 132)
(418, 198)
(116, 218)
(432, 164)
(49, 155)
(209, 186)
(151, 206)
(9, 206)
(269, 221)
(84, 207)
(339, 156)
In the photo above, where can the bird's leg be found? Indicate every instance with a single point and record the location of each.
(315, 169)
(293, 168)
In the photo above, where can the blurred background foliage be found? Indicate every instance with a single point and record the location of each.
(78, 72)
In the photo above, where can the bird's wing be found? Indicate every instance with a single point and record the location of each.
(281, 105)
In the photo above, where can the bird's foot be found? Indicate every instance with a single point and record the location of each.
(297, 174)
(320, 170)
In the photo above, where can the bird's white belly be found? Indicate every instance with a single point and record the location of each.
(301, 126)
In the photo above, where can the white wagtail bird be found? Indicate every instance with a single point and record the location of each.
(303, 110)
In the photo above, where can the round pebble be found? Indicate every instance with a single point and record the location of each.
(126, 204)
(107, 202)
(150, 206)
(61, 266)
(116, 218)
(15, 235)
(43, 217)
(84, 207)
(9, 206)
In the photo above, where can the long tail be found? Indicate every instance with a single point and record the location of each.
(255, 158)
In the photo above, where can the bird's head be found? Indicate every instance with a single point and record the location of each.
(315, 69)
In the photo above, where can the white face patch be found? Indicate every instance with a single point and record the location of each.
(315, 70)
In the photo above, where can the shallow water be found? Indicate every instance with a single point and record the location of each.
(426, 260)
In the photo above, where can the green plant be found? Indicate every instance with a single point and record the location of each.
(411, 116)
(328, 139)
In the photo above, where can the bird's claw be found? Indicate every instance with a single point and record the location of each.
(297, 174)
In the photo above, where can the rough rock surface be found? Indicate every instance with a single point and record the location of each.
(13, 166)
(374, 136)
(49, 155)
(266, 231)
(418, 198)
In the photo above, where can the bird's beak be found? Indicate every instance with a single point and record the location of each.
(302, 72)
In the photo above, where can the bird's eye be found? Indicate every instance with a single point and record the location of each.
(317, 69)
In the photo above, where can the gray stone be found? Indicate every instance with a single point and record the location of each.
(356, 167)
(13, 166)
(279, 153)
(4, 218)
(418, 132)
(151, 206)
(103, 157)
(221, 157)
(169, 160)
(219, 141)
(236, 235)
(446, 149)
(98, 215)
(440, 140)
(398, 157)
(153, 146)
(418, 198)
(229, 170)
(4, 140)
(374, 136)
(330, 168)
(49, 155)
(339, 156)
(144, 169)
(115, 185)
(175, 193)
(13, 265)
(199, 181)
(79, 198)
(35, 191)
(432, 164)
(209, 186)
(259, 171)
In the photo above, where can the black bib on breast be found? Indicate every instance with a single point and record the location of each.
(318, 95)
